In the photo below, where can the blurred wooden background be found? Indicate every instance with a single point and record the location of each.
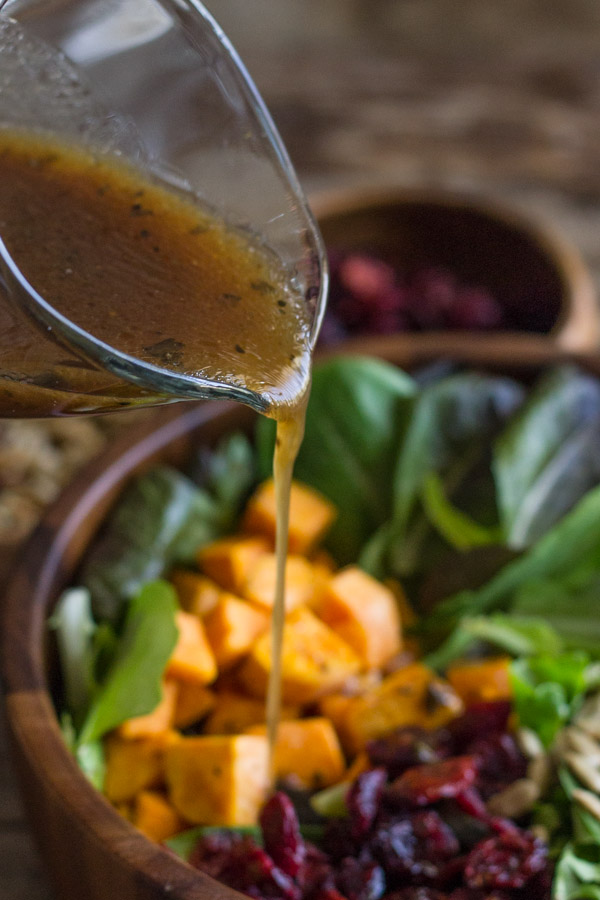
(500, 97)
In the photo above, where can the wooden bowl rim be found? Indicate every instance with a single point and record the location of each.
(27, 699)
(577, 328)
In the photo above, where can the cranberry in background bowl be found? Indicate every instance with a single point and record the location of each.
(414, 262)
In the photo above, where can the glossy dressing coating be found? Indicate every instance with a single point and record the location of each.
(140, 266)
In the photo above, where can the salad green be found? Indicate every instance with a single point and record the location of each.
(465, 476)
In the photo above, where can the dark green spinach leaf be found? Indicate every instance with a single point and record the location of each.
(450, 423)
(132, 686)
(549, 455)
(162, 519)
(571, 546)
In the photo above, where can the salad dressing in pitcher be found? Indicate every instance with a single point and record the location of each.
(139, 266)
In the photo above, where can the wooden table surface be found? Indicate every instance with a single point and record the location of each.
(500, 97)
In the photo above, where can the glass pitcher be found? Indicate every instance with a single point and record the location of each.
(156, 86)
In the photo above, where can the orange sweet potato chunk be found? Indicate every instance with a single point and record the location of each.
(307, 752)
(156, 722)
(134, 765)
(228, 560)
(311, 515)
(232, 627)
(412, 696)
(192, 703)
(481, 680)
(155, 817)
(304, 583)
(363, 612)
(218, 780)
(234, 713)
(192, 659)
(315, 660)
(197, 594)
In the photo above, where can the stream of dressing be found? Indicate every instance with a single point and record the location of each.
(290, 432)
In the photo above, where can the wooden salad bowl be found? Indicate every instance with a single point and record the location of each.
(89, 850)
(539, 278)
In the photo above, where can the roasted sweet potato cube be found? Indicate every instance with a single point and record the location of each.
(234, 713)
(218, 780)
(304, 583)
(481, 680)
(197, 594)
(363, 612)
(228, 560)
(192, 659)
(134, 765)
(155, 817)
(307, 752)
(412, 696)
(315, 660)
(311, 515)
(193, 702)
(156, 722)
(232, 627)
(334, 707)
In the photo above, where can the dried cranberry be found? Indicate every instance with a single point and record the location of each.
(403, 750)
(386, 321)
(368, 295)
(281, 834)
(480, 720)
(366, 276)
(359, 881)
(338, 840)
(317, 874)
(432, 292)
(471, 802)
(415, 848)
(364, 800)
(350, 310)
(499, 762)
(244, 866)
(474, 308)
(503, 826)
(426, 784)
(436, 840)
(212, 852)
(469, 894)
(540, 886)
(329, 893)
(505, 861)
(416, 893)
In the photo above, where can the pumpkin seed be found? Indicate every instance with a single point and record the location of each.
(584, 770)
(539, 771)
(588, 718)
(589, 801)
(515, 800)
(529, 743)
(581, 742)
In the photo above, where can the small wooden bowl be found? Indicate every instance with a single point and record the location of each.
(89, 850)
(536, 275)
